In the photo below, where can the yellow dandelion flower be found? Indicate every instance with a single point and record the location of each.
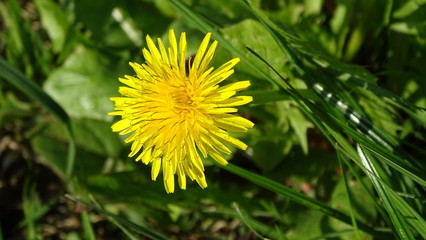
(174, 114)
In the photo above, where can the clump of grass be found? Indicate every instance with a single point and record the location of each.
(338, 108)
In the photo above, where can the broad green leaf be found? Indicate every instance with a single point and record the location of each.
(205, 26)
(409, 8)
(91, 135)
(307, 225)
(363, 208)
(29, 88)
(255, 36)
(143, 14)
(411, 28)
(300, 125)
(95, 15)
(54, 20)
(54, 155)
(269, 153)
(85, 82)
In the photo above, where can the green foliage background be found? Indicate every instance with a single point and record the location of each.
(339, 106)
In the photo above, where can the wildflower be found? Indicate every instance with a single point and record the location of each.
(174, 113)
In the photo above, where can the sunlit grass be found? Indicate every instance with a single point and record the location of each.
(338, 106)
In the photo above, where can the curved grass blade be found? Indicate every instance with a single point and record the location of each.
(204, 26)
(295, 48)
(297, 197)
(29, 88)
(368, 128)
(292, 45)
(390, 158)
(126, 231)
(246, 220)
(408, 213)
(317, 115)
(344, 157)
(399, 159)
(413, 218)
(266, 96)
(397, 219)
(147, 232)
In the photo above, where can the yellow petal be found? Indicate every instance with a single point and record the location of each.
(219, 158)
(221, 110)
(230, 140)
(235, 101)
(169, 180)
(208, 57)
(136, 146)
(182, 52)
(121, 125)
(200, 53)
(173, 52)
(235, 120)
(153, 49)
(156, 166)
(236, 86)
(181, 177)
(201, 181)
(163, 52)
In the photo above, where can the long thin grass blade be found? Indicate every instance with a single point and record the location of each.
(297, 197)
(315, 113)
(29, 88)
(147, 232)
(349, 196)
(397, 219)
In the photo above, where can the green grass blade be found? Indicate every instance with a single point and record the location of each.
(397, 219)
(246, 220)
(87, 226)
(413, 218)
(115, 222)
(296, 196)
(147, 232)
(349, 196)
(29, 88)
(204, 26)
(298, 50)
(363, 184)
(266, 96)
(33, 91)
(318, 116)
(397, 158)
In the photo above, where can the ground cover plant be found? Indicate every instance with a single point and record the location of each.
(332, 145)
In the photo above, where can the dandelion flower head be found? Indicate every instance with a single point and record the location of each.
(175, 113)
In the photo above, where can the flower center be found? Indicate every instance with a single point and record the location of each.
(184, 100)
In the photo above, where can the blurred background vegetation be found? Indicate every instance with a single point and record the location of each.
(314, 168)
